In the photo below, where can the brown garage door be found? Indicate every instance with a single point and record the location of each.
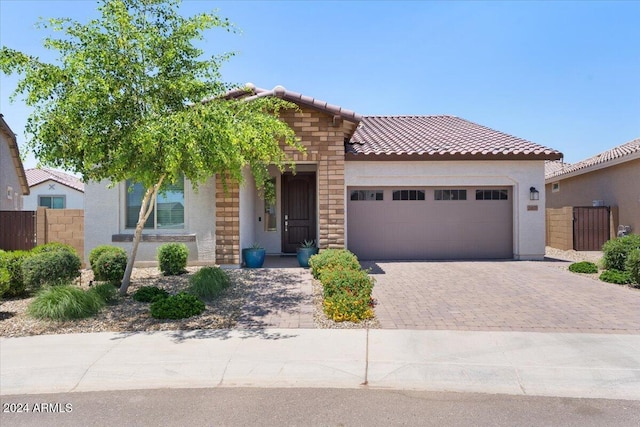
(430, 223)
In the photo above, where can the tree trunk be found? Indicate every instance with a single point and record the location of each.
(147, 205)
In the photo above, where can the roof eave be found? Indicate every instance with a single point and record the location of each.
(448, 156)
(15, 156)
(593, 168)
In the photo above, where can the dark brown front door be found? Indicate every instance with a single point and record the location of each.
(298, 209)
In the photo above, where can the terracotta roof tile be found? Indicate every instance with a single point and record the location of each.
(446, 136)
(38, 176)
(628, 150)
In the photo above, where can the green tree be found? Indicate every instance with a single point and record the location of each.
(130, 97)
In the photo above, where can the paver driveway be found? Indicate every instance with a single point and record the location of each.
(501, 295)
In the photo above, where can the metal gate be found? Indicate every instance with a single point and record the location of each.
(590, 228)
(17, 230)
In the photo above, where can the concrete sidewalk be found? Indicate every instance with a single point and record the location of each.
(521, 363)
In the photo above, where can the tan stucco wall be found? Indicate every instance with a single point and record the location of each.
(617, 185)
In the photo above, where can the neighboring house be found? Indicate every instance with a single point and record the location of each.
(611, 177)
(13, 182)
(54, 190)
(385, 187)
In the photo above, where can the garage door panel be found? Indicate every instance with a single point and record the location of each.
(430, 229)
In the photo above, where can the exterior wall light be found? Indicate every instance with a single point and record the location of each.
(534, 194)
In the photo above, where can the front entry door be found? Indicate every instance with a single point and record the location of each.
(298, 209)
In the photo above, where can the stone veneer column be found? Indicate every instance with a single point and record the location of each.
(227, 223)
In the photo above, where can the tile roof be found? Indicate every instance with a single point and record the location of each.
(250, 91)
(15, 155)
(621, 153)
(38, 176)
(440, 137)
(552, 166)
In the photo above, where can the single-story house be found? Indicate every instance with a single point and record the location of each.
(385, 187)
(53, 189)
(611, 178)
(13, 182)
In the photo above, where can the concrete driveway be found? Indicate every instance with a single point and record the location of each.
(500, 296)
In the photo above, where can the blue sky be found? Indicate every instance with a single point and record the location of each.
(561, 74)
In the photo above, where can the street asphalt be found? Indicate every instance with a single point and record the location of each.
(579, 365)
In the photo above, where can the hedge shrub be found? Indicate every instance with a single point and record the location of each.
(583, 267)
(172, 258)
(616, 276)
(50, 268)
(97, 252)
(208, 282)
(342, 307)
(12, 262)
(149, 294)
(65, 303)
(179, 306)
(5, 280)
(53, 247)
(110, 266)
(330, 259)
(633, 265)
(616, 251)
(352, 282)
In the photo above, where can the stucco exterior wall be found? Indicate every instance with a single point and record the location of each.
(8, 179)
(617, 185)
(104, 218)
(74, 199)
(528, 224)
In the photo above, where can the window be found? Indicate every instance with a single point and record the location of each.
(492, 195)
(270, 213)
(450, 195)
(375, 195)
(51, 202)
(408, 194)
(168, 212)
(555, 187)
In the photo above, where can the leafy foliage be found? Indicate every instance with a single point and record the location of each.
(65, 303)
(99, 250)
(330, 259)
(583, 267)
(616, 276)
(352, 282)
(12, 262)
(633, 265)
(172, 258)
(106, 291)
(50, 268)
(343, 307)
(53, 247)
(110, 266)
(123, 101)
(5, 280)
(149, 294)
(208, 282)
(616, 251)
(179, 306)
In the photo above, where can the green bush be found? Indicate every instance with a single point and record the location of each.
(64, 303)
(106, 291)
(583, 267)
(97, 252)
(172, 258)
(50, 268)
(616, 276)
(110, 266)
(616, 251)
(53, 247)
(5, 280)
(12, 261)
(208, 282)
(352, 282)
(633, 265)
(343, 307)
(179, 306)
(330, 259)
(149, 294)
